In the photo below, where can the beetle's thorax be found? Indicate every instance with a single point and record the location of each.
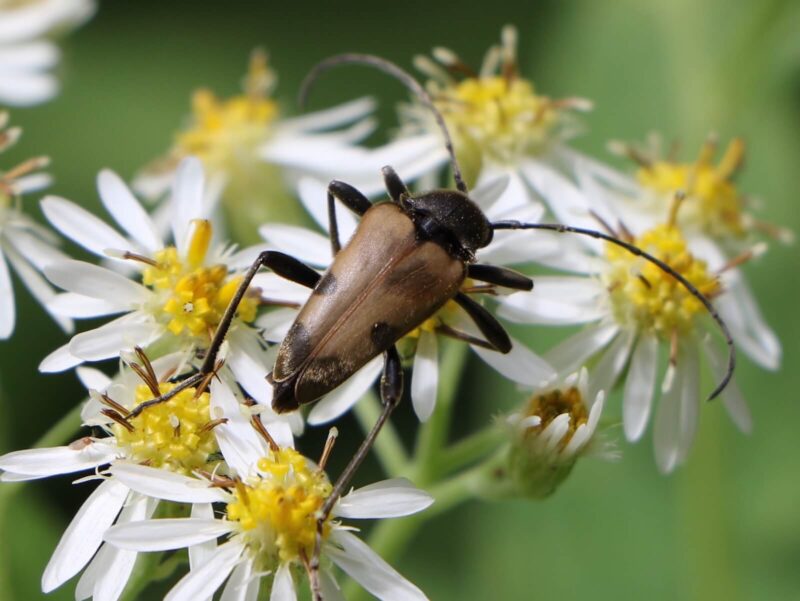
(450, 219)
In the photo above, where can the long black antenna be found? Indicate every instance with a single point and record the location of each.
(398, 73)
(635, 250)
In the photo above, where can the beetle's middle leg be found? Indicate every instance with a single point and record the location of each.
(391, 394)
(493, 330)
(349, 197)
(499, 276)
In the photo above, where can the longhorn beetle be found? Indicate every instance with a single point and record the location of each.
(406, 259)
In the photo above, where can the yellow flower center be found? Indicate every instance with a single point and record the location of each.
(223, 133)
(644, 296)
(500, 117)
(277, 512)
(712, 201)
(549, 405)
(171, 435)
(196, 295)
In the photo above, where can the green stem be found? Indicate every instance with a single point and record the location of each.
(388, 446)
(470, 449)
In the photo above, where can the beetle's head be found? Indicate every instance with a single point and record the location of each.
(452, 215)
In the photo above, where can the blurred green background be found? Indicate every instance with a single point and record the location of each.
(726, 525)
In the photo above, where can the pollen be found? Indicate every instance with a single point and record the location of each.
(221, 130)
(645, 297)
(170, 435)
(503, 116)
(194, 296)
(277, 511)
(712, 200)
(549, 405)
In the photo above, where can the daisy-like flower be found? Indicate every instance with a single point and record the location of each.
(714, 208)
(178, 437)
(499, 123)
(183, 290)
(633, 308)
(270, 525)
(499, 199)
(254, 156)
(25, 56)
(555, 427)
(24, 245)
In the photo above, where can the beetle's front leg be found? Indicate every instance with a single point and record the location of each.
(394, 185)
(391, 394)
(349, 197)
(283, 265)
(495, 333)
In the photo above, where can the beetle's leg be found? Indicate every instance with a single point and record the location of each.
(394, 185)
(283, 265)
(500, 276)
(495, 333)
(464, 337)
(391, 393)
(349, 197)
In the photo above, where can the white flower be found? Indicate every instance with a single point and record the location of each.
(254, 156)
(499, 123)
(270, 529)
(632, 308)
(556, 426)
(25, 56)
(499, 199)
(176, 438)
(24, 245)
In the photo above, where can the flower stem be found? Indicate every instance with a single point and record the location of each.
(471, 448)
(388, 446)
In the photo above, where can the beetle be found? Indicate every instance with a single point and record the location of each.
(407, 258)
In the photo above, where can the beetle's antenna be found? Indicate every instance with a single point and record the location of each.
(635, 250)
(401, 75)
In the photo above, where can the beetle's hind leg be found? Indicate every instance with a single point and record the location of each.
(349, 197)
(499, 276)
(391, 394)
(496, 336)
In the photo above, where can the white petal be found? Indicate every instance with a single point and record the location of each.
(200, 583)
(84, 534)
(556, 300)
(34, 250)
(425, 376)
(110, 339)
(314, 196)
(126, 211)
(306, 245)
(276, 288)
(57, 460)
(329, 586)
(93, 379)
(82, 307)
(639, 387)
(275, 324)
(666, 431)
(340, 400)
(514, 197)
(249, 361)
(521, 364)
(96, 282)
(25, 89)
(187, 198)
(166, 485)
(571, 354)
(283, 585)
(491, 185)
(386, 499)
(364, 566)
(107, 575)
(166, 534)
(81, 226)
(732, 396)
(200, 553)
(59, 360)
(607, 371)
(242, 585)
(331, 117)
(34, 56)
(7, 312)
(240, 444)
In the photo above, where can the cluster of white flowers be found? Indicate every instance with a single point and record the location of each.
(214, 450)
